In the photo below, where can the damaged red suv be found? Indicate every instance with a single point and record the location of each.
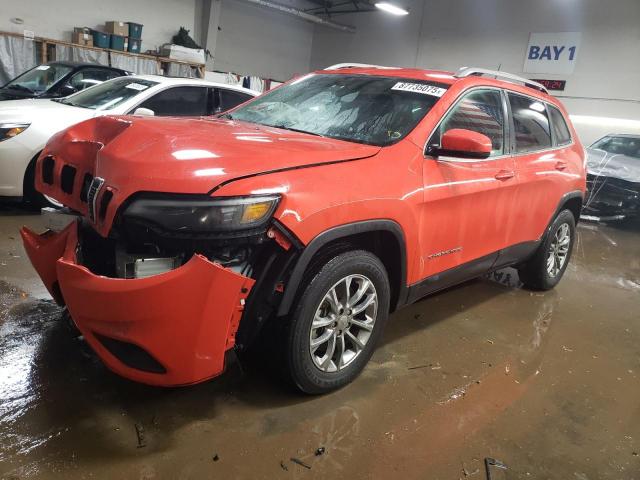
(316, 209)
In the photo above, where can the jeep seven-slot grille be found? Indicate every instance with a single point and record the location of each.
(88, 190)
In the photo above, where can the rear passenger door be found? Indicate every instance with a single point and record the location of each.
(541, 168)
(183, 101)
(467, 202)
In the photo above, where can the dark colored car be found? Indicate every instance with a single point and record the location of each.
(613, 177)
(57, 79)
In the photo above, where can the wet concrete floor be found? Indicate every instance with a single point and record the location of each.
(547, 383)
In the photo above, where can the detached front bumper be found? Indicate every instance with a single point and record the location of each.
(169, 329)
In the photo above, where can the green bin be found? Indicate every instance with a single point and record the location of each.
(117, 42)
(134, 45)
(135, 30)
(101, 39)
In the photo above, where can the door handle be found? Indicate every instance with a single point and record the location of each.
(561, 165)
(505, 174)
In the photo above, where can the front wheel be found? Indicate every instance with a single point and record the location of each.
(544, 270)
(337, 322)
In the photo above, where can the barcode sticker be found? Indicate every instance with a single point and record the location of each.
(137, 86)
(419, 88)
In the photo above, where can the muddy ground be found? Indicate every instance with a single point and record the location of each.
(547, 383)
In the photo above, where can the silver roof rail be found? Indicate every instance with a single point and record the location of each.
(508, 77)
(338, 66)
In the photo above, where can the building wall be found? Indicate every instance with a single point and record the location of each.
(56, 18)
(257, 41)
(495, 33)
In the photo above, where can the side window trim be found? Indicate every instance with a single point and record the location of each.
(505, 129)
(552, 130)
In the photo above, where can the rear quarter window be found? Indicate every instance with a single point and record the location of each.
(530, 122)
(559, 125)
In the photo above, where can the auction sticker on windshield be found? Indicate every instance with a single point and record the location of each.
(137, 86)
(419, 88)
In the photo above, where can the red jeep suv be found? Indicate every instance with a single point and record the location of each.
(316, 209)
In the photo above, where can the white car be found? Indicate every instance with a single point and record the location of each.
(27, 125)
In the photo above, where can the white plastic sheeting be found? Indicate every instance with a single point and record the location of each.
(16, 56)
(181, 70)
(141, 66)
(73, 54)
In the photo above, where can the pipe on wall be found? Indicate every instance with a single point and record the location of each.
(302, 15)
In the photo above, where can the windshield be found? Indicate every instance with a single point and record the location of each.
(628, 146)
(109, 94)
(39, 79)
(359, 108)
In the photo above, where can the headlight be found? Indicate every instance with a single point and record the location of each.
(202, 214)
(10, 130)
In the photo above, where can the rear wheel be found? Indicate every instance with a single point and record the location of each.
(337, 322)
(544, 270)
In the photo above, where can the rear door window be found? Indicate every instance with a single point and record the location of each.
(560, 129)
(530, 122)
(179, 101)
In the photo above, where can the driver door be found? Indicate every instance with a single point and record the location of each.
(468, 202)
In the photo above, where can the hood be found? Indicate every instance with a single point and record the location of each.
(601, 163)
(182, 155)
(43, 111)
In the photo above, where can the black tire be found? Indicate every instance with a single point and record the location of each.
(299, 366)
(535, 273)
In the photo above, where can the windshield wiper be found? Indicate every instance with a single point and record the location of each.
(227, 116)
(297, 130)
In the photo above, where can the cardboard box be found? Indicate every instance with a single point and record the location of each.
(177, 52)
(82, 36)
(117, 28)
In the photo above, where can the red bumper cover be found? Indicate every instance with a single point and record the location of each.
(185, 319)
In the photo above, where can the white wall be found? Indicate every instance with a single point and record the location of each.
(492, 33)
(56, 18)
(257, 41)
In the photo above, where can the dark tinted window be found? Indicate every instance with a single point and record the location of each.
(230, 98)
(479, 111)
(530, 122)
(560, 129)
(179, 101)
(88, 77)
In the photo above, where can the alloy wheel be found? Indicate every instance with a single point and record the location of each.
(343, 323)
(558, 250)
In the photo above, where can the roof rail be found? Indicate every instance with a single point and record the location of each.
(508, 77)
(338, 66)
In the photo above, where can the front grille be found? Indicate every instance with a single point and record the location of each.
(86, 183)
(67, 177)
(92, 196)
(48, 164)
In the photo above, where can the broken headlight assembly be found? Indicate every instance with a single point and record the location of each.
(201, 214)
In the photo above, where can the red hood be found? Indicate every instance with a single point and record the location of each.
(180, 155)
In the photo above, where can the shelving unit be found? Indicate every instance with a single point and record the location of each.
(45, 50)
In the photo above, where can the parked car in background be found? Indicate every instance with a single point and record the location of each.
(27, 125)
(58, 79)
(316, 209)
(613, 178)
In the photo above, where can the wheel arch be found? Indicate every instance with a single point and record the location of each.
(571, 201)
(369, 235)
(29, 175)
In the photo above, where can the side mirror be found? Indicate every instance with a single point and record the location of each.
(462, 143)
(66, 90)
(145, 112)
